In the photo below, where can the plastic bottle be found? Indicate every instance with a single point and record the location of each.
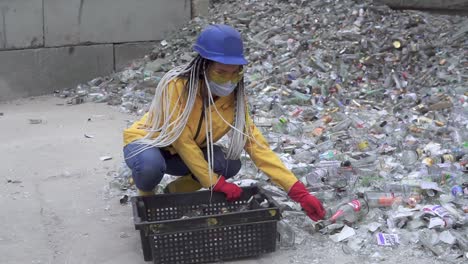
(347, 213)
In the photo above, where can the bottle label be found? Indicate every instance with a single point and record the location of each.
(386, 201)
(336, 215)
(387, 239)
(356, 204)
(438, 210)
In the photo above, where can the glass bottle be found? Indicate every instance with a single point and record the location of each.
(347, 213)
(286, 234)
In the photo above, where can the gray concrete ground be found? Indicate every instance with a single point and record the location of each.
(58, 212)
(55, 207)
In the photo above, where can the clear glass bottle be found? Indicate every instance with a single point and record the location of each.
(316, 177)
(347, 213)
(409, 157)
(337, 178)
(382, 199)
(286, 234)
(329, 155)
(411, 194)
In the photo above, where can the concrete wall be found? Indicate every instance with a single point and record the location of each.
(38, 71)
(104, 21)
(54, 44)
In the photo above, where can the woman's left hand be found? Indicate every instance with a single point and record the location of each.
(232, 191)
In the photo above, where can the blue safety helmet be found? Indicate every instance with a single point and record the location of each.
(221, 43)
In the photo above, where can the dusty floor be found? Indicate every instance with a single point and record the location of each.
(55, 205)
(56, 208)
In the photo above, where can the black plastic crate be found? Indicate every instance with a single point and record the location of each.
(187, 228)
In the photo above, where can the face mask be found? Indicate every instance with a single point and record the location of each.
(222, 89)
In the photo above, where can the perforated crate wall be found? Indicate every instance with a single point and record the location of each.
(211, 245)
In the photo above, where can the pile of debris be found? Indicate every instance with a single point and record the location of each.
(365, 104)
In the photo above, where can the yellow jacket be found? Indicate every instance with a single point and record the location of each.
(188, 145)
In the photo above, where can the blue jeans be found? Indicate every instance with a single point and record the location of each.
(148, 167)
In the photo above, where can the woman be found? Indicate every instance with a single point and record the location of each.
(193, 107)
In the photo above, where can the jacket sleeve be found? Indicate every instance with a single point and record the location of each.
(266, 159)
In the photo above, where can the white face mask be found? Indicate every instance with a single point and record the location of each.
(222, 89)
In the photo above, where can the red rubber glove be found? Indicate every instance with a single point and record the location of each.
(309, 203)
(232, 191)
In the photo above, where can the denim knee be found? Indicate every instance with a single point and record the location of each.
(233, 167)
(147, 167)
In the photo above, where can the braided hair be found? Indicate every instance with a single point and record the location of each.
(165, 124)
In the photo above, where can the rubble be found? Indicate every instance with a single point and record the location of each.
(104, 158)
(427, 4)
(355, 98)
(35, 121)
(345, 233)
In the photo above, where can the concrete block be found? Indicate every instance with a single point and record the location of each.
(125, 53)
(200, 8)
(41, 71)
(21, 24)
(112, 21)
